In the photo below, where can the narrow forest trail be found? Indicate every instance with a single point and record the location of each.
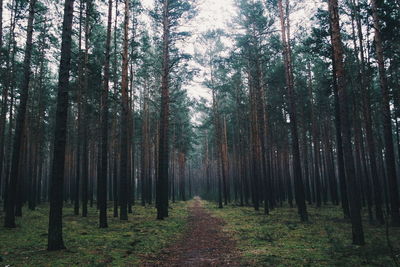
(203, 244)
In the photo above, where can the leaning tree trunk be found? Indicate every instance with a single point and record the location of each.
(55, 238)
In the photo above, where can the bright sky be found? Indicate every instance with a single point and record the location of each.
(212, 14)
(217, 14)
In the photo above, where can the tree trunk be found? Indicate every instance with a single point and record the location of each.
(353, 192)
(182, 165)
(339, 146)
(80, 123)
(316, 141)
(55, 239)
(145, 168)
(8, 85)
(115, 117)
(298, 180)
(124, 121)
(387, 121)
(163, 162)
(104, 127)
(86, 163)
(368, 123)
(225, 167)
(9, 219)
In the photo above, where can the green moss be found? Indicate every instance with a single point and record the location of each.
(121, 244)
(280, 239)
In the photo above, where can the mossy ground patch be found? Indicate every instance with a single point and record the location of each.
(280, 239)
(122, 243)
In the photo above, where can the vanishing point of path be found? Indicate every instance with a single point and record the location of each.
(203, 244)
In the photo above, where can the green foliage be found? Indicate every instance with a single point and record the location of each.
(122, 244)
(281, 240)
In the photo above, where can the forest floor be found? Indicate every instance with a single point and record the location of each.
(123, 243)
(280, 239)
(197, 233)
(203, 244)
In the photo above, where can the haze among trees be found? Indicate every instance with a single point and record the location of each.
(132, 134)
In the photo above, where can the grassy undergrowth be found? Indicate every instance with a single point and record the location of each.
(121, 244)
(281, 240)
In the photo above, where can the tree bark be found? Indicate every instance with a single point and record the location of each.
(316, 141)
(387, 121)
(9, 219)
(80, 124)
(124, 121)
(104, 127)
(353, 192)
(86, 191)
(7, 87)
(163, 162)
(298, 180)
(368, 121)
(55, 238)
(115, 118)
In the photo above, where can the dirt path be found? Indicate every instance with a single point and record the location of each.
(204, 243)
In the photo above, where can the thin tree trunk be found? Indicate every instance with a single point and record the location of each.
(9, 219)
(298, 180)
(85, 149)
(163, 162)
(80, 123)
(104, 128)
(124, 121)
(114, 125)
(316, 141)
(7, 90)
(368, 124)
(387, 121)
